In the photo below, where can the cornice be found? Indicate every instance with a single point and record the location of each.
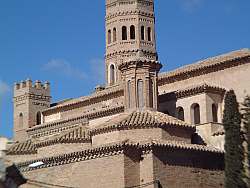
(206, 66)
(62, 125)
(140, 62)
(115, 149)
(97, 97)
(121, 52)
(204, 88)
(129, 13)
(141, 120)
(31, 96)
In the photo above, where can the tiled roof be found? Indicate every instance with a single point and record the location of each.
(86, 100)
(115, 149)
(66, 124)
(185, 146)
(22, 148)
(196, 89)
(204, 66)
(77, 134)
(140, 119)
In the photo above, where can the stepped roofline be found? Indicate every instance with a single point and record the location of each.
(181, 73)
(116, 149)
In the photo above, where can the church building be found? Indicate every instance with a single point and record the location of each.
(144, 128)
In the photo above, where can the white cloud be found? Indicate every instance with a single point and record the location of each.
(191, 5)
(64, 67)
(4, 88)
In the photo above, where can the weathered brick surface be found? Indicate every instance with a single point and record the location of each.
(61, 149)
(177, 169)
(106, 172)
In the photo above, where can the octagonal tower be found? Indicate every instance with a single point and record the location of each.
(130, 28)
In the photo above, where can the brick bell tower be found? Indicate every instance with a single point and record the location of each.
(131, 57)
(130, 29)
(29, 101)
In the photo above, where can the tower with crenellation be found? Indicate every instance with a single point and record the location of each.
(130, 29)
(29, 101)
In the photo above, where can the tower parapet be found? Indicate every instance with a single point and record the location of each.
(130, 28)
(29, 100)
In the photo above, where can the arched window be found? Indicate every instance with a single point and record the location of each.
(215, 112)
(124, 33)
(180, 113)
(112, 74)
(195, 112)
(140, 94)
(20, 120)
(132, 32)
(142, 33)
(114, 34)
(109, 36)
(149, 34)
(38, 118)
(129, 93)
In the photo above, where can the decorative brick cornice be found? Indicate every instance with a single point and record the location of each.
(29, 147)
(63, 125)
(203, 88)
(115, 149)
(121, 52)
(106, 94)
(32, 96)
(141, 120)
(140, 62)
(23, 148)
(206, 66)
(77, 135)
(56, 127)
(144, 2)
(130, 13)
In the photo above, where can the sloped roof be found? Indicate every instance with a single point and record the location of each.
(184, 145)
(90, 99)
(200, 88)
(140, 119)
(116, 149)
(22, 148)
(204, 65)
(77, 134)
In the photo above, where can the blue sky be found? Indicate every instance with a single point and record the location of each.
(63, 41)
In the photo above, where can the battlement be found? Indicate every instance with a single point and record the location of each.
(29, 84)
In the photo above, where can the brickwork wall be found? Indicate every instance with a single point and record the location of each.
(21, 158)
(137, 135)
(177, 134)
(178, 170)
(61, 149)
(132, 168)
(106, 172)
(147, 170)
(92, 108)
